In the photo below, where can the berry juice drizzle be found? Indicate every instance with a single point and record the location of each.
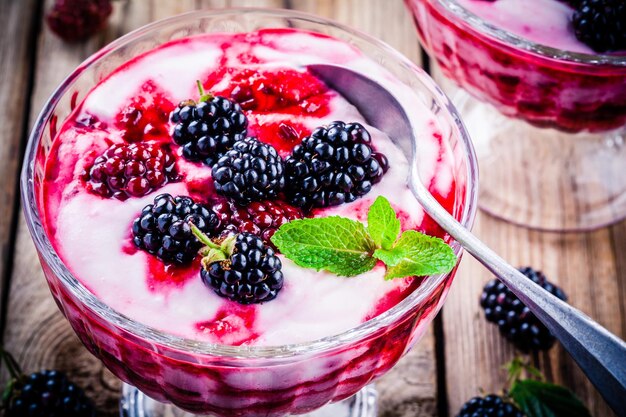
(263, 71)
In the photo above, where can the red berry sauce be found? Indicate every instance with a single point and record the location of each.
(146, 116)
(101, 152)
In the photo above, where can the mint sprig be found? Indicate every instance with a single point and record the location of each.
(417, 254)
(538, 398)
(337, 244)
(383, 224)
(347, 248)
(542, 399)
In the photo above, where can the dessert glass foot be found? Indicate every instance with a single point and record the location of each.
(134, 403)
(542, 178)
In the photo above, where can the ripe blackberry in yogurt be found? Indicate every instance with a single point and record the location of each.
(208, 128)
(334, 165)
(163, 228)
(236, 290)
(250, 171)
(248, 272)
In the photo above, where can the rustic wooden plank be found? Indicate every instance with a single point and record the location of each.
(590, 267)
(17, 24)
(388, 21)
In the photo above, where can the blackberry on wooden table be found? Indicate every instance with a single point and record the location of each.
(489, 406)
(77, 20)
(514, 319)
(163, 228)
(41, 394)
(48, 394)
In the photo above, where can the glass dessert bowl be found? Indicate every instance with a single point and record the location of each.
(178, 344)
(547, 114)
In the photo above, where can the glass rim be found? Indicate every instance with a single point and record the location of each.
(195, 347)
(482, 26)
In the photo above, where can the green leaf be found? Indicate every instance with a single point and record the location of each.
(336, 244)
(420, 255)
(382, 223)
(542, 399)
(517, 367)
(390, 257)
(7, 393)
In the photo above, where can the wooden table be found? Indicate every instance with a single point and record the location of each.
(460, 355)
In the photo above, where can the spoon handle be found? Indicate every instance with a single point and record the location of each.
(600, 354)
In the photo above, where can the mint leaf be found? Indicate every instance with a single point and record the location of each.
(417, 254)
(336, 244)
(347, 248)
(542, 399)
(389, 257)
(382, 223)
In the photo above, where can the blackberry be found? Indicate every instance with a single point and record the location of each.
(162, 229)
(133, 170)
(208, 128)
(242, 268)
(489, 406)
(335, 165)
(76, 20)
(261, 218)
(513, 318)
(601, 24)
(48, 394)
(251, 171)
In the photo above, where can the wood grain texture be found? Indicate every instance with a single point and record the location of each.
(388, 21)
(17, 23)
(39, 335)
(590, 267)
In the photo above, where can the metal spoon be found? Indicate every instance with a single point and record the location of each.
(600, 354)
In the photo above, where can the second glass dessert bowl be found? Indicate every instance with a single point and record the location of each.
(549, 125)
(168, 373)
